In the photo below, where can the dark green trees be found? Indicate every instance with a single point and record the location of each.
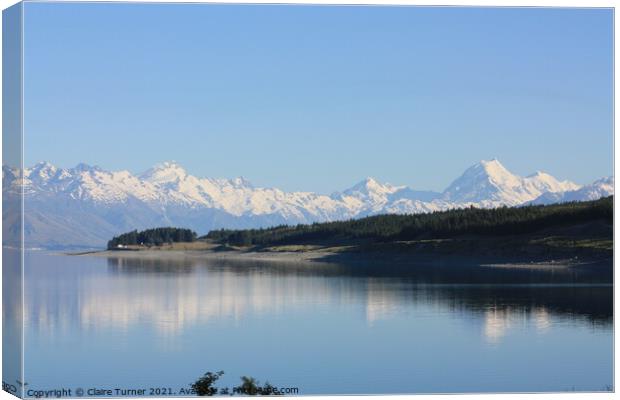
(251, 387)
(153, 237)
(441, 224)
(205, 386)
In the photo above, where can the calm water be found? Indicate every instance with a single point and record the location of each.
(327, 329)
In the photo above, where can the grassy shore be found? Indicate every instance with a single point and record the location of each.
(516, 251)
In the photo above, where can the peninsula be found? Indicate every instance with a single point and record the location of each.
(567, 234)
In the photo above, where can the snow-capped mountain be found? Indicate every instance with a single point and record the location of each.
(600, 188)
(489, 183)
(86, 205)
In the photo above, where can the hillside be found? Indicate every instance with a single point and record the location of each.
(530, 233)
(436, 225)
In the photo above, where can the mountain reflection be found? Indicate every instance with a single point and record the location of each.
(175, 294)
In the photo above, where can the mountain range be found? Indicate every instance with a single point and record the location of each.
(84, 206)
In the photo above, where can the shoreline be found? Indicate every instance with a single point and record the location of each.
(355, 258)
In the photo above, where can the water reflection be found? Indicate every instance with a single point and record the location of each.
(12, 332)
(172, 294)
(424, 328)
(497, 322)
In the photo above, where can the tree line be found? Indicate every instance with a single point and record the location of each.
(434, 225)
(153, 237)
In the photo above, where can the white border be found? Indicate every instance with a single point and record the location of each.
(480, 3)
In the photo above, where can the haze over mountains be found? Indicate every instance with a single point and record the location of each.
(85, 206)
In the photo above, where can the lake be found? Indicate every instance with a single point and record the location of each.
(97, 322)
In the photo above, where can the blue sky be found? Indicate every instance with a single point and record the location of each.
(317, 98)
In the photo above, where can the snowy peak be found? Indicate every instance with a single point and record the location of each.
(540, 175)
(607, 181)
(165, 173)
(494, 172)
(600, 188)
(44, 168)
(485, 180)
(242, 182)
(491, 184)
(367, 197)
(544, 182)
(370, 187)
(82, 167)
(41, 173)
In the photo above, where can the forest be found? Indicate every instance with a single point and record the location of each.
(153, 237)
(435, 225)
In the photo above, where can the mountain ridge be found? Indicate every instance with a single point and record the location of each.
(100, 203)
